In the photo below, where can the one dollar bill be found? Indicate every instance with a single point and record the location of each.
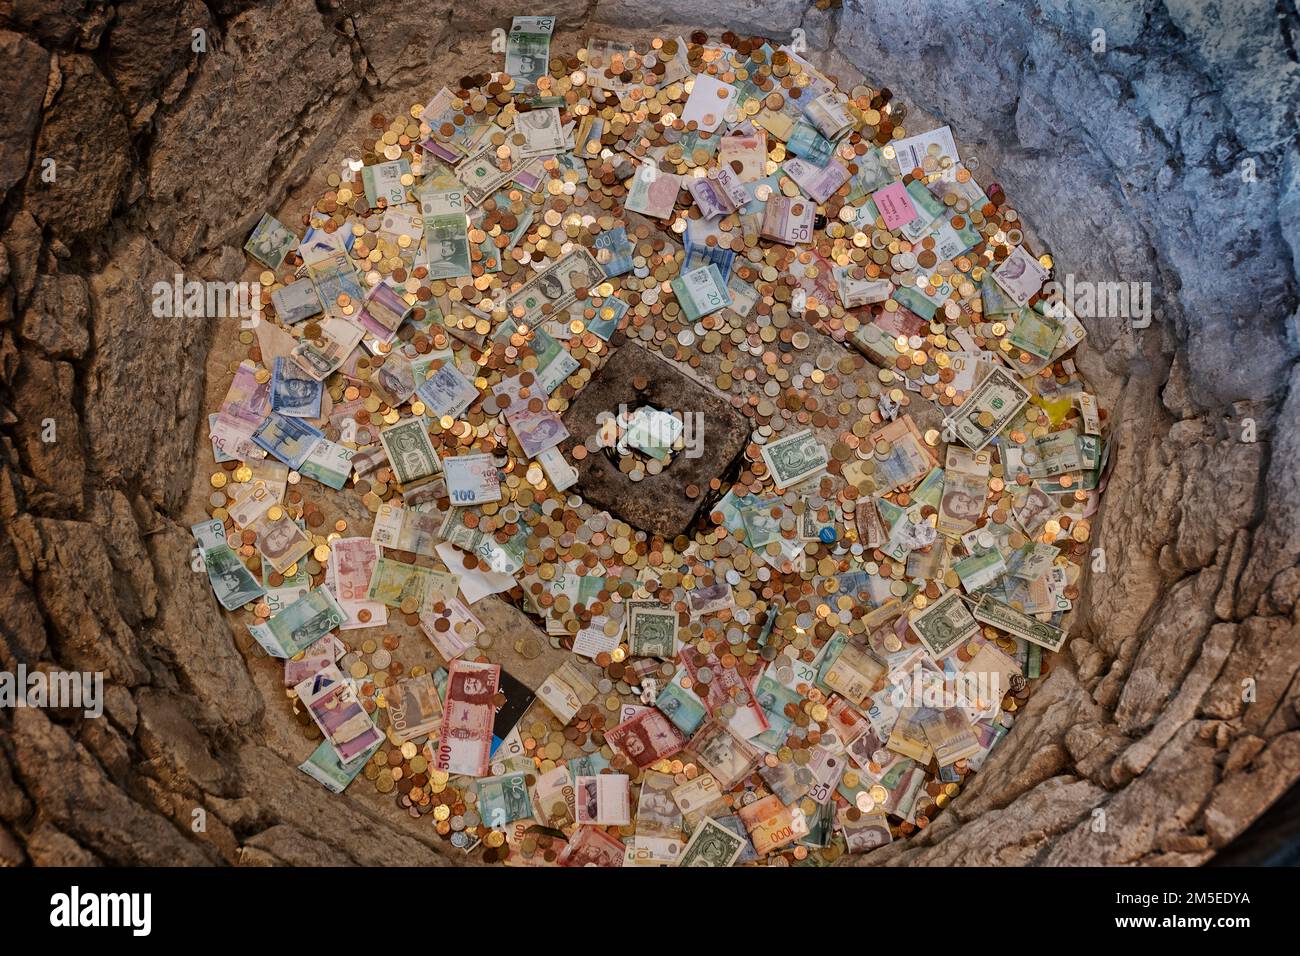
(988, 409)
(1006, 618)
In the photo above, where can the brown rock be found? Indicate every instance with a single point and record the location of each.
(1183, 707)
(1276, 544)
(253, 144)
(49, 846)
(1257, 675)
(58, 317)
(633, 377)
(1165, 800)
(48, 435)
(20, 104)
(23, 247)
(1016, 835)
(280, 792)
(60, 22)
(1059, 702)
(72, 578)
(85, 133)
(23, 640)
(1181, 623)
(191, 632)
(150, 51)
(85, 804)
(397, 42)
(1241, 797)
(169, 739)
(141, 408)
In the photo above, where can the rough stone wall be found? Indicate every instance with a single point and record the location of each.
(1127, 163)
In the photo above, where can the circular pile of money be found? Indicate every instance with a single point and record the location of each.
(817, 666)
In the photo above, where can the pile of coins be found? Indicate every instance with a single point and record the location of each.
(801, 571)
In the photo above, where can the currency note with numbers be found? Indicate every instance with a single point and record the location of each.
(293, 392)
(528, 49)
(789, 221)
(830, 115)
(771, 825)
(270, 242)
(410, 453)
(792, 459)
(698, 798)
(446, 392)
(482, 173)
(1020, 275)
(329, 463)
(653, 192)
(603, 799)
(944, 625)
(711, 844)
(988, 409)
(566, 690)
(414, 709)
(296, 301)
(471, 479)
(538, 133)
(398, 584)
(253, 502)
(336, 282)
(658, 837)
(280, 541)
(1004, 617)
(288, 439)
(351, 565)
(647, 737)
(554, 287)
(651, 630)
(451, 630)
(387, 181)
(701, 292)
(324, 766)
(446, 234)
(232, 583)
(320, 357)
(333, 704)
(465, 740)
(504, 799)
(300, 625)
(817, 182)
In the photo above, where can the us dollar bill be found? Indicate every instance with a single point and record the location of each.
(792, 459)
(1006, 618)
(944, 625)
(554, 287)
(410, 453)
(712, 845)
(989, 409)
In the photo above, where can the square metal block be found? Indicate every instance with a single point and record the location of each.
(657, 504)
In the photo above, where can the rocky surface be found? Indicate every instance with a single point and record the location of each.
(633, 378)
(1161, 149)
